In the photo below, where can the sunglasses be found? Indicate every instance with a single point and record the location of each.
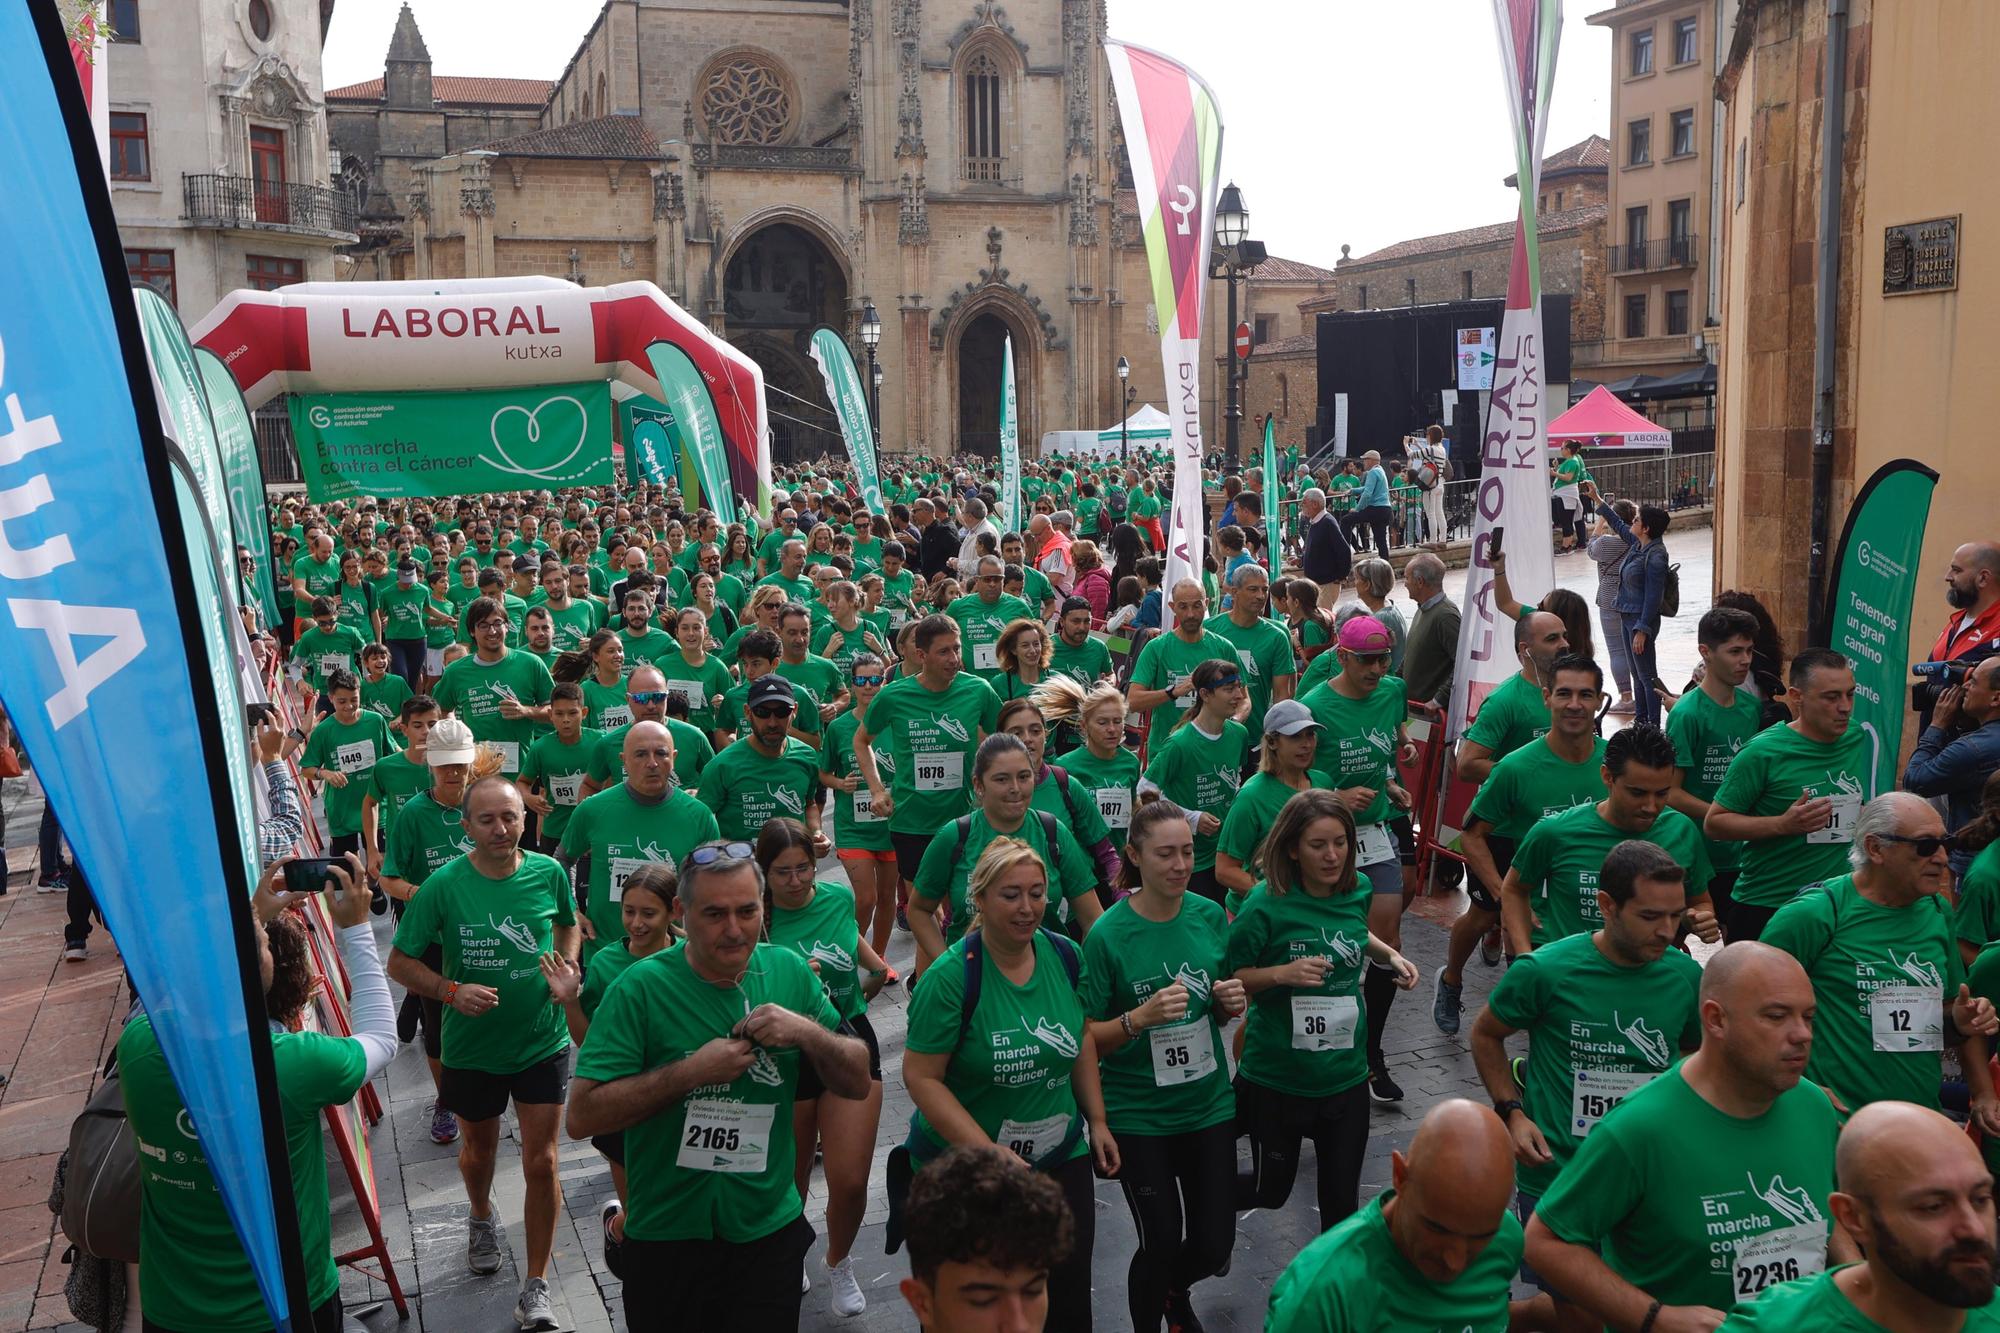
(868, 680)
(771, 710)
(648, 697)
(1367, 659)
(1927, 845)
(710, 853)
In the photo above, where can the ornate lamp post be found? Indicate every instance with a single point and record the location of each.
(1232, 227)
(871, 338)
(1125, 392)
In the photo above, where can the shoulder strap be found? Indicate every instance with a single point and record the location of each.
(975, 957)
(1049, 827)
(1066, 950)
(964, 825)
(1063, 786)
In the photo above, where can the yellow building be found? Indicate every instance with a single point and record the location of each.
(1917, 324)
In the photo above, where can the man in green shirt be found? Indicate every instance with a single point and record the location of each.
(789, 575)
(1793, 793)
(1708, 726)
(341, 752)
(770, 550)
(1263, 647)
(1437, 1250)
(1162, 686)
(315, 570)
(1078, 654)
(695, 1057)
(1710, 1183)
(1877, 944)
(983, 613)
(575, 619)
(765, 773)
(801, 666)
(501, 693)
(327, 648)
(1515, 713)
(496, 911)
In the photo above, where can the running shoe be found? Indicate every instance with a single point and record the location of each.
(903, 920)
(1382, 1088)
(805, 1281)
(891, 978)
(482, 1244)
(1445, 1001)
(614, 1249)
(51, 884)
(847, 1298)
(75, 953)
(1180, 1314)
(1489, 948)
(444, 1125)
(536, 1309)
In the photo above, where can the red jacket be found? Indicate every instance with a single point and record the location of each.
(1985, 630)
(1095, 588)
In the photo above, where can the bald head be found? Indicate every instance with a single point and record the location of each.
(1738, 974)
(1916, 1197)
(1453, 1188)
(1887, 1144)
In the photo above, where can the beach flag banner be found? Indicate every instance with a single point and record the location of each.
(850, 405)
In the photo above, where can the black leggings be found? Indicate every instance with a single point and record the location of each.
(1069, 1283)
(1277, 1122)
(1181, 1190)
(406, 659)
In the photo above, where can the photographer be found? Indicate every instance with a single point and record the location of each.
(1960, 749)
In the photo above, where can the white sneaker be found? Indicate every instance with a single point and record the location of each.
(75, 953)
(847, 1298)
(805, 1281)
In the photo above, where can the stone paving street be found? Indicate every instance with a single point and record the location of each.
(57, 1021)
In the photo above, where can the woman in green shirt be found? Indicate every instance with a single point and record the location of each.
(721, 622)
(737, 557)
(357, 599)
(1023, 651)
(599, 667)
(440, 625)
(1061, 796)
(861, 836)
(693, 672)
(1299, 947)
(1199, 765)
(999, 1052)
(647, 911)
(817, 919)
(1166, 1079)
(1102, 763)
(1286, 768)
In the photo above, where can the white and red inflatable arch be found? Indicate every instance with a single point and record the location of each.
(481, 333)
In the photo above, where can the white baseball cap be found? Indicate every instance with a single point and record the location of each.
(451, 742)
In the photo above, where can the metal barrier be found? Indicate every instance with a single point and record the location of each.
(1672, 481)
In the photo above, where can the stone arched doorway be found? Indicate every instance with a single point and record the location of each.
(976, 369)
(780, 283)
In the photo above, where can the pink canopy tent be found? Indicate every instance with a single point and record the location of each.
(1600, 421)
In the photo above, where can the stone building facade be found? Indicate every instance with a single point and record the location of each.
(774, 165)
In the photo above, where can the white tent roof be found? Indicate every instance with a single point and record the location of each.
(1148, 423)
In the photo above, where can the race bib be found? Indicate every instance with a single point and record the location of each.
(1840, 823)
(1374, 845)
(1324, 1022)
(897, 619)
(689, 690)
(332, 662)
(1907, 1018)
(986, 656)
(622, 869)
(1114, 805)
(1249, 661)
(1032, 1140)
(565, 788)
(1182, 1053)
(354, 757)
(1778, 1256)
(938, 772)
(1595, 1091)
(619, 715)
(1185, 701)
(510, 755)
(732, 1137)
(864, 806)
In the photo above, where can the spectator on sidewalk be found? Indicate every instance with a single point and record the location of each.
(1960, 749)
(1371, 507)
(1607, 550)
(1430, 653)
(1327, 557)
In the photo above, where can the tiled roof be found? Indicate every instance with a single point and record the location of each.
(1497, 234)
(1275, 269)
(606, 136)
(453, 90)
(1299, 342)
(1591, 155)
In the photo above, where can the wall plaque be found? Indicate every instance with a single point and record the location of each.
(1920, 257)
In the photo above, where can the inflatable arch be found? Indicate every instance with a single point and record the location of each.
(482, 333)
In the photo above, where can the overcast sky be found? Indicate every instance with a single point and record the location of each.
(1346, 122)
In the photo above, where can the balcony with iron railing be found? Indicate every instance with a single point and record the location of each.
(1669, 252)
(254, 205)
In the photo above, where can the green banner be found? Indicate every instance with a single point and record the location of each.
(1010, 445)
(1270, 495)
(850, 404)
(470, 442)
(647, 428)
(237, 437)
(1868, 608)
(696, 425)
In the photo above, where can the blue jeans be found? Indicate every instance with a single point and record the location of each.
(1645, 667)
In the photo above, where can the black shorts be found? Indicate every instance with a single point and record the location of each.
(910, 849)
(474, 1094)
(611, 1145)
(810, 1085)
(1406, 839)
(1503, 861)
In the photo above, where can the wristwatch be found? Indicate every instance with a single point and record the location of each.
(1506, 1108)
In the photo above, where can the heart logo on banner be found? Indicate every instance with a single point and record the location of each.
(534, 434)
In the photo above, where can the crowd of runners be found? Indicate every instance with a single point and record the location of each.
(1153, 846)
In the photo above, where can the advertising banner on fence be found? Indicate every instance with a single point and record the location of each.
(113, 604)
(686, 395)
(1868, 607)
(1173, 132)
(466, 443)
(1513, 490)
(850, 404)
(1010, 444)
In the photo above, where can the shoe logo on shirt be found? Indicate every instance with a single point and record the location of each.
(518, 935)
(1053, 1035)
(652, 851)
(789, 799)
(763, 1069)
(1650, 1041)
(1349, 952)
(1377, 738)
(831, 955)
(951, 727)
(464, 843)
(1917, 969)
(1195, 979)
(1844, 784)
(1794, 1205)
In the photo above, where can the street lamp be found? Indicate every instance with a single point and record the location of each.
(1124, 412)
(871, 338)
(1238, 253)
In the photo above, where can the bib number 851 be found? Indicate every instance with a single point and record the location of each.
(714, 1138)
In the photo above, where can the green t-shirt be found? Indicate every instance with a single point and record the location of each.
(474, 690)
(1171, 1079)
(1882, 976)
(1514, 714)
(1597, 1030)
(605, 707)
(745, 787)
(322, 577)
(606, 966)
(1984, 978)
(856, 826)
(824, 932)
(357, 608)
(652, 648)
(1166, 660)
(423, 839)
(1111, 783)
(1978, 914)
(494, 932)
(403, 610)
(821, 679)
(1306, 1043)
(692, 752)
(698, 685)
(191, 1264)
(1357, 740)
(394, 781)
(1353, 1279)
(1535, 782)
(1264, 649)
(1561, 857)
(1251, 815)
(930, 737)
(716, 1165)
(322, 653)
(979, 625)
(352, 750)
(1706, 738)
(620, 834)
(574, 624)
(833, 644)
(1708, 1227)
(798, 590)
(946, 868)
(558, 771)
(1013, 1072)
(1197, 771)
(1090, 662)
(1817, 1303)
(385, 697)
(437, 636)
(1766, 778)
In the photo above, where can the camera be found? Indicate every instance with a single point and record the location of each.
(1937, 677)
